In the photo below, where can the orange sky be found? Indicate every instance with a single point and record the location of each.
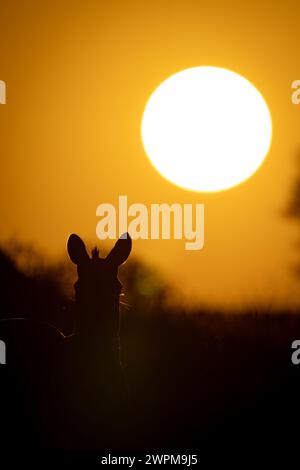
(78, 75)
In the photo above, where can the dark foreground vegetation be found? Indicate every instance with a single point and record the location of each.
(222, 386)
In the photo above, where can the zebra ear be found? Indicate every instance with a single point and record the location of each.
(77, 250)
(120, 251)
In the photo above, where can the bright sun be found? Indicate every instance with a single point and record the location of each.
(206, 129)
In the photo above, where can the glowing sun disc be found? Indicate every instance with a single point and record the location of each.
(206, 129)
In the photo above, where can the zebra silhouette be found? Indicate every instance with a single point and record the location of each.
(70, 391)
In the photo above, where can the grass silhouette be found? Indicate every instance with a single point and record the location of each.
(202, 380)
